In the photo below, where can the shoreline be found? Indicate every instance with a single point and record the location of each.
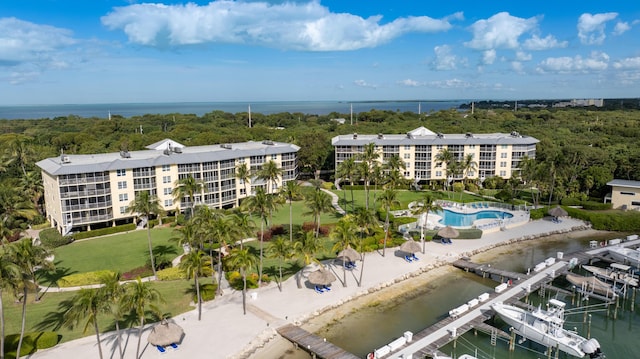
(276, 345)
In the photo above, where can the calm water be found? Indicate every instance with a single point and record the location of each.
(374, 327)
(456, 219)
(200, 108)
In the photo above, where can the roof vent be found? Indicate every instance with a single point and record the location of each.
(267, 142)
(65, 159)
(515, 134)
(125, 154)
(468, 135)
(409, 135)
(439, 135)
(177, 150)
(355, 136)
(167, 152)
(380, 136)
(226, 146)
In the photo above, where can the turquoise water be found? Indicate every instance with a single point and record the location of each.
(456, 219)
(200, 108)
(374, 326)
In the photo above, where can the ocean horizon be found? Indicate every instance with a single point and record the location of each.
(32, 112)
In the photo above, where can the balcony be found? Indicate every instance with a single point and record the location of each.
(87, 193)
(85, 206)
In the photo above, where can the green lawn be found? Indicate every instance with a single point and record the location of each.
(404, 197)
(299, 208)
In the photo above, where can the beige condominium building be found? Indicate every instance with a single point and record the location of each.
(82, 191)
(495, 154)
(625, 194)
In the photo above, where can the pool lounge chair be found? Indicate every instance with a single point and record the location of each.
(408, 258)
(326, 288)
(319, 289)
(173, 345)
(413, 257)
(160, 348)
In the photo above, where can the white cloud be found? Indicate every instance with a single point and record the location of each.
(628, 63)
(536, 43)
(444, 60)
(363, 83)
(410, 83)
(597, 61)
(488, 57)
(591, 27)
(621, 28)
(523, 56)
(288, 25)
(22, 41)
(517, 66)
(500, 31)
(451, 84)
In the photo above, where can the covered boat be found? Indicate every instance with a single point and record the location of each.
(545, 327)
(625, 255)
(617, 273)
(592, 284)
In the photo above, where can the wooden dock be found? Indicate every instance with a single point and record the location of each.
(313, 344)
(487, 270)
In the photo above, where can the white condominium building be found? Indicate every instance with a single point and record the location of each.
(85, 190)
(495, 154)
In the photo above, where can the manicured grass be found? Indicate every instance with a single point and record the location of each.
(404, 197)
(299, 208)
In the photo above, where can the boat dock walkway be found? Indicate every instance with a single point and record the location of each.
(484, 269)
(427, 342)
(316, 346)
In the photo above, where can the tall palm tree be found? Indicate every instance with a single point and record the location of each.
(393, 167)
(14, 206)
(244, 224)
(87, 304)
(426, 205)
(31, 184)
(243, 174)
(291, 190)
(446, 158)
(112, 293)
(347, 171)
(261, 204)
(344, 233)
(242, 260)
(365, 219)
(270, 172)
(193, 263)
(369, 157)
(21, 151)
(306, 248)
(318, 203)
(468, 165)
(145, 205)
(188, 187)
(222, 230)
(388, 199)
(9, 275)
(281, 249)
(139, 297)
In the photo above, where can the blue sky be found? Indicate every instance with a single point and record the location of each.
(103, 51)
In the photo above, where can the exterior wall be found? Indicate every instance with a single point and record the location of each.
(52, 199)
(625, 196)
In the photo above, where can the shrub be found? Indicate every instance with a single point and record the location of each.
(141, 272)
(471, 187)
(104, 231)
(32, 342)
(174, 273)
(88, 278)
(51, 238)
(277, 230)
(538, 213)
(235, 280)
(207, 292)
(608, 220)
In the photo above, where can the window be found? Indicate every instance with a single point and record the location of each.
(274, 157)
(121, 173)
(407, 174)
(166, 168)
(503, 155)
(503, 164)
(124, 209)
(168, 202)
(166, 179)
(627, 193)
(122, 184)
(472, 147)
(407, 165)
(407, 156)
(407, 147)
(438, 173)
(243, 191)
(504, 146)
(167, 191)
(123, 197)
(471, 173)
(635, 203)
(503, 173)
(438, 147)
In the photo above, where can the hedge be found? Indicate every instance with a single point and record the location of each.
(617, 221)
(31, 342)
(51, 238)
(173, 273)
(104, 231)
(88, 278)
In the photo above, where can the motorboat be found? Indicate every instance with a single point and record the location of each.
(592, 285)
(625, 255)
(616, 273)
(545, 327)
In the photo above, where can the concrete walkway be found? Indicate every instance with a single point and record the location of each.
(224, 332)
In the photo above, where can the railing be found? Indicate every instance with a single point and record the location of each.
(83, 180)
(79, 207)
(92, 219)
(87, 193)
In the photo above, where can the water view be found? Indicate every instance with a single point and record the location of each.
(377, 325)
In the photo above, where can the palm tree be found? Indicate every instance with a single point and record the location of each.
(21, 151)
(369, 156)
(467, 165)
(9, 275)
(281, 249)
(221, 229)
(245, 226)
(14, 206)
(306, 248)
(192, 264)
(394, 167)
(112, 292)
(291, 190)
(87, 304)
(242, 259)
(347, 170)
(365, 219)
(261, 204)
(139, 297)
(344, 233)
(270, 172)
(389, 199)
(31, 184)
(145, 205)
(243, 174)
(426, 205)
(445, 157)
(318, 203)
(187, 187)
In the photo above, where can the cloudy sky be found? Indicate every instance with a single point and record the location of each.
(109, 51)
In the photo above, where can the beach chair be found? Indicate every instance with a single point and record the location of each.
(408, 258)
(352, 265)
(319, 290)
(486, 205)
(473, 205)
(174, 345)
(326, 288)
(160, 348)
(413, 257)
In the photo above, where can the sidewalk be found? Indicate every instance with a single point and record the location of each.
(224, 332)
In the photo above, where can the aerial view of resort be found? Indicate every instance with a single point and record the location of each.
(301, 179)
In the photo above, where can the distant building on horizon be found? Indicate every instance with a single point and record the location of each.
(495, 154)
(82, 191)
(580, 103)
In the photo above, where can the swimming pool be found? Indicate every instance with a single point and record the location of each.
(457, 219)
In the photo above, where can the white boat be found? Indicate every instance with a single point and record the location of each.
(625, 255)
(592, 285)
(545, 327)
(617, 273)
